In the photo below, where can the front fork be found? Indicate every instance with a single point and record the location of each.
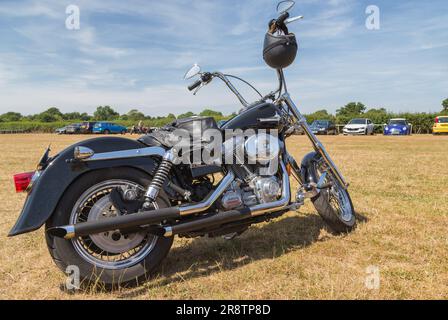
(317, 145)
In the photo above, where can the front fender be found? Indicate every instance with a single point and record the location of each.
(306, 169)
(59, 175)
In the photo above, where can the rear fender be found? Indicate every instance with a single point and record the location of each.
(59, 175)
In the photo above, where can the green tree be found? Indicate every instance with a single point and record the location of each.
(134, 115)
(54, 112)
(210, 113)
(378, 115)
(171, 116)
(319, 115)
(105, 113)
(85, 117)
(71, 116)
(186, 115)
(10, 116)
(445, 105)
(47, 117)
(351, 109)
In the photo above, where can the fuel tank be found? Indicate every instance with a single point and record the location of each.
(260, 116)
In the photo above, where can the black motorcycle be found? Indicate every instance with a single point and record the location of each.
(112, 206)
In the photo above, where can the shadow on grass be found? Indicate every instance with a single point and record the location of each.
(204, 256)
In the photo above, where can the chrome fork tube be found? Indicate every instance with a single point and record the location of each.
(318, 146)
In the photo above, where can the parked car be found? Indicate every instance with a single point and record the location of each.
(62, 130)
(108, 127)
(397, 126)
(440, 125)
(359, 126)
(87, 126)
(324, 127)
(74, 128)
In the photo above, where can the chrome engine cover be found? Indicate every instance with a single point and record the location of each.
(262, 148)
(267, 189)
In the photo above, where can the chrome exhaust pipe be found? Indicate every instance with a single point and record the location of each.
(236, 215)
(140, 218)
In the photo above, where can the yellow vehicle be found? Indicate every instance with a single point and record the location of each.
(440, 125)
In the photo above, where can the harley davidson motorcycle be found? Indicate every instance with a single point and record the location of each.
(112, 206)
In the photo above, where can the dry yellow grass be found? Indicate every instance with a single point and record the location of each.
(398, 183)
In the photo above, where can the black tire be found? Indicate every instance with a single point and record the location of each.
(123, 132)
(64, 253)
(106, 131)
(323, 206)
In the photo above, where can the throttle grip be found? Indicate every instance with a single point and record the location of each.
(195, 85)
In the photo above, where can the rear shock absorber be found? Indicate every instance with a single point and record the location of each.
(159, 178)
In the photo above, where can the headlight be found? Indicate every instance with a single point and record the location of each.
(387, 128)
(404, 128)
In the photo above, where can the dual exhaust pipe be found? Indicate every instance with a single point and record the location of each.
(155, 217)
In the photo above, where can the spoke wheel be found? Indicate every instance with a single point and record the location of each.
(333, 203)
(109, 249)
(110, 258)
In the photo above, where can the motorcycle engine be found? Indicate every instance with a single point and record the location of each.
(259, 190)
(255, 183)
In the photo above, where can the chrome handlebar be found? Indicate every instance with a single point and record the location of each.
(207, 77)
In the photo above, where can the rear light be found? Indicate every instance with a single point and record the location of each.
(23, 180)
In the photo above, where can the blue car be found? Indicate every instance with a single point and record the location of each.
(397, 127)
(108, 128)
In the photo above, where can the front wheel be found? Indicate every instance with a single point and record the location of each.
(333, 204)
(110, 258)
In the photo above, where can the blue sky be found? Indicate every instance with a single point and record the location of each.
(133, 54)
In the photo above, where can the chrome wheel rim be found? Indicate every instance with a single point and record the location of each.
(337, 196)
(99, 249)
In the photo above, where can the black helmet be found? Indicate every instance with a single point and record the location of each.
(279, 50)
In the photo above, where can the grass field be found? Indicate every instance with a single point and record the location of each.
(399, 184)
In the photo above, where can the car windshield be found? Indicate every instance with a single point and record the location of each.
(443, 120)
(398, 122)
(319, 123)
(358, 121)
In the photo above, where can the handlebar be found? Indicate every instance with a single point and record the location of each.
(195, 85)
(207, 77)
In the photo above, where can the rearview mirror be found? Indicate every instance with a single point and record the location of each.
(194, 71)
(285, 6)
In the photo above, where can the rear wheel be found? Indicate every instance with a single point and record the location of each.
(333, 204)
(110, 258)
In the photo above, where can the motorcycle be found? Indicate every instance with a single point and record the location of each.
(112, 206)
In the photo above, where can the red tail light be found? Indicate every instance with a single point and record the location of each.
(22, 181)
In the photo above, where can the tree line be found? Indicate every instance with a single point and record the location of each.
(102, 113)
(53, 116)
